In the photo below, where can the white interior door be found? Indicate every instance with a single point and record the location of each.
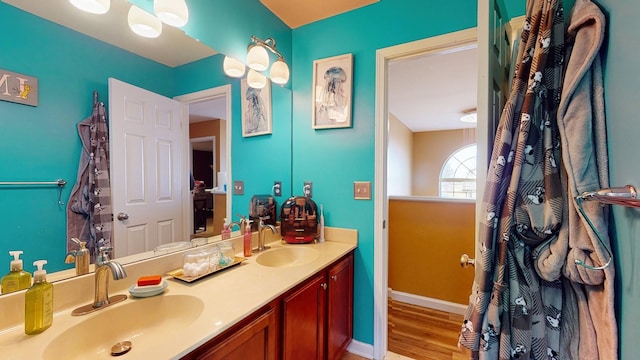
(146, 168)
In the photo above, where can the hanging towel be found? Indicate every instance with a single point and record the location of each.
(582, 125)
(512, 313)
(89, 214)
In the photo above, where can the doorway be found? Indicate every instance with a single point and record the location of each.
(209, 136)
(405, 52)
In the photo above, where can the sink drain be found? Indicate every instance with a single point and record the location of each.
(120, 348)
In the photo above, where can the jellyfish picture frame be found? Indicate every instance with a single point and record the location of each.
(256, 109)
(332, 92)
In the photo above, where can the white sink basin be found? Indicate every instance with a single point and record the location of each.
(143, 322)
(288, 256)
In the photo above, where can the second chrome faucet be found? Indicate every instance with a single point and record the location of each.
(262, 227)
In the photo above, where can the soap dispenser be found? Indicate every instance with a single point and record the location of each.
(226, 231)
(247, 238)
(38, 302)
(17, 278)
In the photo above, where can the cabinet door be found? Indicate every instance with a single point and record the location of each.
(340, 308)
(256, 341)
(303, 321)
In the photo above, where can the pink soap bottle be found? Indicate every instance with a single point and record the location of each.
(247, 238)
(225, 234)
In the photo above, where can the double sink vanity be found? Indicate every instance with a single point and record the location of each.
(289, 302)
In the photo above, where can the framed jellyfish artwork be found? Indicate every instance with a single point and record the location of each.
(256, 109)
(332, 92)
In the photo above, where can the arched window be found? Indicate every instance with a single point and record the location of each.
(458, 174)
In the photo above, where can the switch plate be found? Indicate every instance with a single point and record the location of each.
(277, 188)
(238, 188)
(362, 190)
(308, 189)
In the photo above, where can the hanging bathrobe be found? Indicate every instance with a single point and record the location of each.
(513, 313)
(89, 214)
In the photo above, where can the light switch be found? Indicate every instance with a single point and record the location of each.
(238, 188)
(362, 190)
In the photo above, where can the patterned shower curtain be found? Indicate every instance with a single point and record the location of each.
(513, 313)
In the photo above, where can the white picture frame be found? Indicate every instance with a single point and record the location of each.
(256, 110)
(332, 92)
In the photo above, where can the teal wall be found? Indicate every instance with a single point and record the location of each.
(334, 159)
(621, 52)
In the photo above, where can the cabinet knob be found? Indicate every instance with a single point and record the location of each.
(465, 261)
(334, 277)
(324, 286)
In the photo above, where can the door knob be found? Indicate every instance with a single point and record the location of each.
(465, 261)
(123, 216)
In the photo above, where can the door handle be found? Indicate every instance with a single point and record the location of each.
(465, 261)
(123, 216)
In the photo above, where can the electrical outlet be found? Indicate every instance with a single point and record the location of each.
(362, 190)
(238, 188)
(308, 189)
(277, 188)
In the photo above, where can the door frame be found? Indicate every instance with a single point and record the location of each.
(199, 96)
(381, 203)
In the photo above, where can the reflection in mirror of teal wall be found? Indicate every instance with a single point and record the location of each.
(41, 143)
(227, 26)
(258, 160)
(70, 66)
(334, 159)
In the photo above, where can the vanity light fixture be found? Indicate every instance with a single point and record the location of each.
(172, 12)
(258, 61)
(469, 116)
(92, 6)
(143, 23)
(233, 67)
(256, 80)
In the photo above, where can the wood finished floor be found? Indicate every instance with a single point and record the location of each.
(421, 333)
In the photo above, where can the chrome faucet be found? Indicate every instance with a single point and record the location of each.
(104, 268)
(261, 228)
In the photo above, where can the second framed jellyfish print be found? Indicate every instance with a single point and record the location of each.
(332, 90)
(256, 109)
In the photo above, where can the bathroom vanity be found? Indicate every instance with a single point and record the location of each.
(290, 302)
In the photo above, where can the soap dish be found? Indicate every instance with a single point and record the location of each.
(149, 290)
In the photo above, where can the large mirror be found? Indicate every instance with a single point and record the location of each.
(41, 143)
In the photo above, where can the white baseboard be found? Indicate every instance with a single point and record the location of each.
(427, 302)
(361, 349)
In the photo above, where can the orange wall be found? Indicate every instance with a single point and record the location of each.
(426, 240)
(204, 129)
(430, 150)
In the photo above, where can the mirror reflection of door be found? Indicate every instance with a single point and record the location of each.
(207, 137)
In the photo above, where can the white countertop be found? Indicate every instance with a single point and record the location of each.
(228, 297)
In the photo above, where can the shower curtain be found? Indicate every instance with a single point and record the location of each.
(89, 214)
(513, 313)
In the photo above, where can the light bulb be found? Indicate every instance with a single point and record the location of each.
(279, 72)
(92, 6)
(256, 80)
(233, 67)
(143, 23)
(257, 58)
(172, 12)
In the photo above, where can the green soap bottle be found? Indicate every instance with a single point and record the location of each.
(17, 278)
(38, 302)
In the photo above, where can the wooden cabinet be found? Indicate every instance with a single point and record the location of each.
(254, 338)
(317, 316)
(311, 321)
(339, 308)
